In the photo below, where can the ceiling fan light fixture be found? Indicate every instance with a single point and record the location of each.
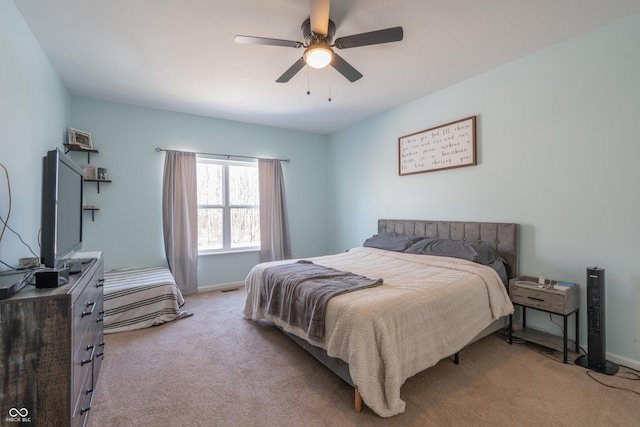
(318, 56)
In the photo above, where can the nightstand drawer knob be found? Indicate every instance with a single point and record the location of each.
(536, 299)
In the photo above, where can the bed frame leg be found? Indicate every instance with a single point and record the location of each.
(456, 358)
(358, 401)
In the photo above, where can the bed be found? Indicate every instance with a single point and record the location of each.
(139, 298)
(427, 308)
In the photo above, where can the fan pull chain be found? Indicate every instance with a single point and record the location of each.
(329, 78)
(309, 82)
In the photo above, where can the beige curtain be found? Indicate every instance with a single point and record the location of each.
(275, 243)
(180, 218)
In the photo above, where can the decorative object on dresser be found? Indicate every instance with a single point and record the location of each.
(562, 298)
(51, 348)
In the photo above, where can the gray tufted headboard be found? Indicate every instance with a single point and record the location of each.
(503, 237)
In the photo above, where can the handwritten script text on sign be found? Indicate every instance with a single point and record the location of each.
(444, 147)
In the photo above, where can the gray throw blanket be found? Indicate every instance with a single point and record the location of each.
(298, 293)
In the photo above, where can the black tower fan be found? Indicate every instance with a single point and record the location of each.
(596, 331)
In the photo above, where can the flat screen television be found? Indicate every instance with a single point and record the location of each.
(61, 215)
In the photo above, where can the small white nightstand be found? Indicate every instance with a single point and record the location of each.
(562, 300)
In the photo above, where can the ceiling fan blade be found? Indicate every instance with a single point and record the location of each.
(387, 35)
(344, 68)
(266, 41)
(319, 14)
(292, 71)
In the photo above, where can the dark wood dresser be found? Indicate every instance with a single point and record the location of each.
(51, 347)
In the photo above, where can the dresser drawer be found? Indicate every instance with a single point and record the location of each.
(82, 364)
(84, 400)
(88, 345)
(87, 310)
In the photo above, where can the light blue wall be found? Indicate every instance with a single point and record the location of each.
(34, 107)
(558, 150)
(128, 226)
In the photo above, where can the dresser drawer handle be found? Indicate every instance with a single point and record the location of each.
(90, 312)
(536, 299)
(100, 283)
(100, 346)
(88, 408)
(90, 359)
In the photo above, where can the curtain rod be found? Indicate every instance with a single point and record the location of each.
(228, 155)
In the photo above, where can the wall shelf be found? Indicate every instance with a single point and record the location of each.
(91, 209)
(98, 181)
(73, 147)
(81, 149)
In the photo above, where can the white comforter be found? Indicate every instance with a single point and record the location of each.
(427, 308)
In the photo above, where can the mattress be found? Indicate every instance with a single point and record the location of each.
(140, 298)
(427, 308)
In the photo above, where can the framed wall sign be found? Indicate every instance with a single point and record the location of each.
(443, 147)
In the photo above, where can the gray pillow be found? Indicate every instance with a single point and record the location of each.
(500, 266)
(476, 252)
(391, 241)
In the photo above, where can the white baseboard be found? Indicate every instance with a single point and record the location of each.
(623, 361)
(221, 287)
(618, 360)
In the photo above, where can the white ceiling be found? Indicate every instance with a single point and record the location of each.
(180, 55)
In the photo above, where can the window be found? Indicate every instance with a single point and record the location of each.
(228, 205)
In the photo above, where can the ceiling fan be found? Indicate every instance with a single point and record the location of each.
(318, 31)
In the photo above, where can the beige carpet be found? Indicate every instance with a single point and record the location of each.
(218, 369)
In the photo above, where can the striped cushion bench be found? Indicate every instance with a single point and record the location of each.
(139, 298)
